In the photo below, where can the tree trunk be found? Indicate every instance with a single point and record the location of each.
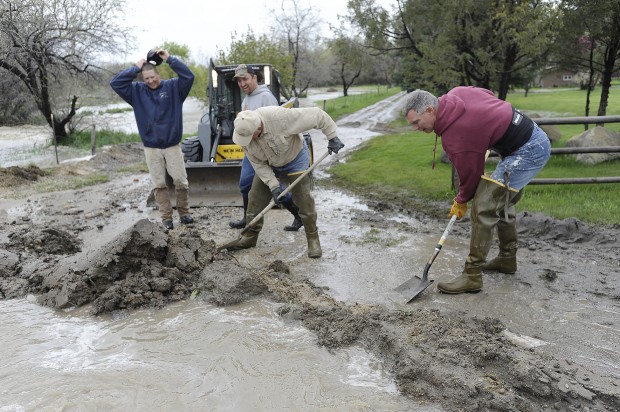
(506, 75)
(590, 84)
(611, 55)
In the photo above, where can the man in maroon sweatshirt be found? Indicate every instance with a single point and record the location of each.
(470, 121)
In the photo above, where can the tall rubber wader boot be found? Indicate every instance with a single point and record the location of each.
(182, 200)
(163, 203)
(240, 224)
(488, 203)
(258, 199)
(307, 213)
(297, 223)
(506, 260)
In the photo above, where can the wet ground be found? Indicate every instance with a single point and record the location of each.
(543, 339)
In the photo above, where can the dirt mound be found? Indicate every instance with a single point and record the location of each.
(52, 241)
(461, 362)
(17, 175)
(539, 228)
(143, 267)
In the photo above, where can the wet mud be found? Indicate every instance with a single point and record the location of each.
(461, 362)
(97, 248)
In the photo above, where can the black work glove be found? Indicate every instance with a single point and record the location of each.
(276, 193)
(334, 145)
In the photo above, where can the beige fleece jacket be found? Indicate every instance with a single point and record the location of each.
(281, 141)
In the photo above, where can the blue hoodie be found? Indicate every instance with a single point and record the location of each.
(158, 112)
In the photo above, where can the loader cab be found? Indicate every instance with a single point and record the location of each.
(225, 96)
(214, 141)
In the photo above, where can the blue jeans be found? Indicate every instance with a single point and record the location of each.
(297, 166)
(525, 162)
(245, 181)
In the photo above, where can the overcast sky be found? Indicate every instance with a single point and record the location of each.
(207, 25)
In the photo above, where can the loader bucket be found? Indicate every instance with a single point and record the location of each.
(210, 184)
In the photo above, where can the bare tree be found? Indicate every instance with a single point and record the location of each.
(44, 40)
(298, 25)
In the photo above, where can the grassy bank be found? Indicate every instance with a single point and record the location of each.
(82, 140)
(398, 167)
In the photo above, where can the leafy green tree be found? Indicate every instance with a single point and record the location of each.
(591, 39)
(201, 73)
(250, 48)
(350, 60)
(458, 42)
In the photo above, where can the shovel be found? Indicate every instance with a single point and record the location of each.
(271, 205)
(414, 286)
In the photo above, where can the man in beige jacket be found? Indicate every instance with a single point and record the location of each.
(272, 141)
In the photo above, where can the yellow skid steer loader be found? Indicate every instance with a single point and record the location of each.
(212, 160)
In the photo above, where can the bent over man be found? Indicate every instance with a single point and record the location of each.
(470, 121)
(257, 96)
(272, 141)
(157, 106)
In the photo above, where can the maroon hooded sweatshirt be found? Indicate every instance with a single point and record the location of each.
(470, 120)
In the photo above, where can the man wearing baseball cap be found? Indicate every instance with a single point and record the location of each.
(257, 96)
(271, 139)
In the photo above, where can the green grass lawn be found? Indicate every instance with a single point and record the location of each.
(399, 167)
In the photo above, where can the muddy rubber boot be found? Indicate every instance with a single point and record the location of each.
(163, 203)
(182, 196)
(488, 200)
(240, 224)
(307, 213)
(297, 223)
(258, 199)
(506, 260)
(246, 241)
(314, 244)
(465, 283)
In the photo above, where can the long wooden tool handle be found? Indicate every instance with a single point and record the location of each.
(284, 192)
(442, 240)
(446, 232)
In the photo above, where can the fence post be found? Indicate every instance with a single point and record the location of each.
(55, 139)
(93, 140)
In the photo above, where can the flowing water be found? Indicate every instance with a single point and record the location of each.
(188, 356)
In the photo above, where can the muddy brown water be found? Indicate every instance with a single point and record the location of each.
(187, 356)
(314, 334)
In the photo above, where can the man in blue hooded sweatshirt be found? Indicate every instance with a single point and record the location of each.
(157, 106)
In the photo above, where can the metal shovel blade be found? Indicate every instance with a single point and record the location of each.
(416, 285)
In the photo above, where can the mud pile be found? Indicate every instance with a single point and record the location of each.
(143, 267)
(17, 175)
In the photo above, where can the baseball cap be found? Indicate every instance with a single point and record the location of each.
(154, 58)
(242, 70)
(246, 124)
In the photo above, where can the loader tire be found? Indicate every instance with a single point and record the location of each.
(192, 150)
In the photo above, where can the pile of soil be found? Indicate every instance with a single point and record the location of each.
(17, 176)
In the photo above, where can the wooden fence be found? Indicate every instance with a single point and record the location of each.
(598, 120)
